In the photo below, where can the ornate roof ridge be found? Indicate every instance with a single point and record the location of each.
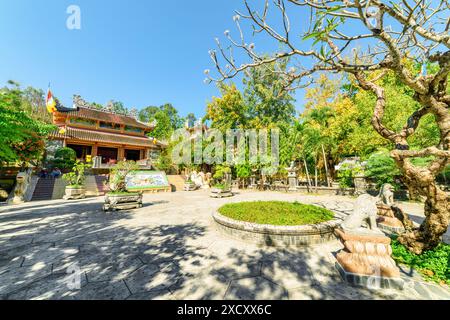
(79, 102)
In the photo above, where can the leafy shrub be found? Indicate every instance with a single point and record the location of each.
(76, 177)
(382, 168)
(433, 264)
(65, 158)
(221, 172)
(243, 171)
(347, 174)
(118, 175)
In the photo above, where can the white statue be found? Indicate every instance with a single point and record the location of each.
(196, 179)
(23, 180)
(365, 210)
(387, 194)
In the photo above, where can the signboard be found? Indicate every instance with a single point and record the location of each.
(146, 180)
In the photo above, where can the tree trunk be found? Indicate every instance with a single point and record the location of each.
(437, 211)
(326, 167)
(307, 174)
(315, 174)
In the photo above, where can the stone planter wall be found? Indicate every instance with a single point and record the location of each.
(278, 236)
(74, 193)
(122, 202)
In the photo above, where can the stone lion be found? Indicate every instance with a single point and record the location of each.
(387, 194)
(365, 210)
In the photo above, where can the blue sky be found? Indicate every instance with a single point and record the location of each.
(138, 52)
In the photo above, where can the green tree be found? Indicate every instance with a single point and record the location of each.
(228, 111)
(266, 100)
(21, 135)
(164, 128)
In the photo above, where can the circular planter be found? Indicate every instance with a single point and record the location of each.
(277, 236)
(73, 193)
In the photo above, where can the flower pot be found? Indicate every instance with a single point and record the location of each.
(114, 202)
(73, 193)
(221, 193)
(190, 186)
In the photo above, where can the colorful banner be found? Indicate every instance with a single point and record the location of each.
(146, 180)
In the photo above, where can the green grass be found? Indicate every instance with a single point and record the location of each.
(276, 213)
(434, 265)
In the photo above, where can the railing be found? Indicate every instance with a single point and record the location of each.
(97, 163)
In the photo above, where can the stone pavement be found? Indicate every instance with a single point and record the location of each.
(169, 249)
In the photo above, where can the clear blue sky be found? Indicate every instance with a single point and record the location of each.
(140, 52)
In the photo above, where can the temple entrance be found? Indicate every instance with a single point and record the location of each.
(81, 151)
(133, 155)
(109, 155)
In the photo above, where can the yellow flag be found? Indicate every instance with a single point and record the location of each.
(50, 102)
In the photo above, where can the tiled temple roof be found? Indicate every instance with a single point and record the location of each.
(108, 117)
(106, 137)
(87, 111)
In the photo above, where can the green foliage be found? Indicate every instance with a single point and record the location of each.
(165, 161)
(22, 129)
(221, 171)
(433, 264)
(347, 174)
(263, 103)
(345, 177)
(243, 171)
(265, 98)
(76, 177)
(118, 174)
(276, 213)
(163, 129)
(149, 114)
(221, 186)
(65, 158)
(382, 168)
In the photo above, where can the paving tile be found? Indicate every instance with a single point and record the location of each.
(255, 288)
(169, 250)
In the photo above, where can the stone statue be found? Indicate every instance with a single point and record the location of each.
(365, 211)
(23, 180)
(392, 218)
(387, 194)
(197, 179)
(208, 178)
(366, 257)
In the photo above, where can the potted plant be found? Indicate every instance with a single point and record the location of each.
(76, 178)
(189, 185)
(221, 186)
(119, 198)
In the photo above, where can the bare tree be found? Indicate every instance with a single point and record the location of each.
(396, 34)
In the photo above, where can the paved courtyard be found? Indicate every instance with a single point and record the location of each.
(169, 249)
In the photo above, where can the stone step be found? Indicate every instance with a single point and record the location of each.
(43, 190)
(177, 181)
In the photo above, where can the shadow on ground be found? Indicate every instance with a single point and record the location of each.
(46, 252)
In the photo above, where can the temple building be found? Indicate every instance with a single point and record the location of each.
(104, 137)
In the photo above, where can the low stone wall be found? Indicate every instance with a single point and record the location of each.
(326, 190)
(278, 236)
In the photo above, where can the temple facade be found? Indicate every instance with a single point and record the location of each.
(104, 137)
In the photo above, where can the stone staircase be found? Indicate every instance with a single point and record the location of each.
(177, 182)
(44, 189)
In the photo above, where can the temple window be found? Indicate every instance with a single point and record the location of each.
(133, 129)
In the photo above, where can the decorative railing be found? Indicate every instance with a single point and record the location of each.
(97, 163)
